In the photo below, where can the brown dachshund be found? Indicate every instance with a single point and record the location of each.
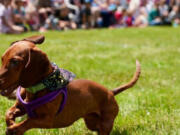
(23, 64)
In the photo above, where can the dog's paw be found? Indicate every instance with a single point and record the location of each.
(9, 131)
(14, 130)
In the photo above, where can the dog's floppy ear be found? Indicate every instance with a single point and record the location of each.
(35, 39)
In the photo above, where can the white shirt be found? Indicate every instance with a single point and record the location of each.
(7, 14)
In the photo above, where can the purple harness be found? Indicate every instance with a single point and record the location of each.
(31, 106)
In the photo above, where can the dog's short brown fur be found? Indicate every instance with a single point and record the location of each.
(25, 65)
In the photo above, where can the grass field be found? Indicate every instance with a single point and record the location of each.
(152, 107)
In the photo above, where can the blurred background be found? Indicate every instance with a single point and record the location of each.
(18, 16)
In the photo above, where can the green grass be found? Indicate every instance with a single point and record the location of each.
(108, 57)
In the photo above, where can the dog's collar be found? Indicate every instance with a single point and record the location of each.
(31, 106)
(56, 80)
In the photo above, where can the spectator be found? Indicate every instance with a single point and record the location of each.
(142, 18)
(86, 15)
(154, 15)
(129, 19)
(119, 17)
(174, 15)
(6, 17)
(65, 21)
(19, 13)
(44, 10)
(51, 23)
(163, 11)
(107, 11)
(32, 16)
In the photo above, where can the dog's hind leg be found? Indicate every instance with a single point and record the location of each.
(108, 114)
(106, 124)
(92, 121)
(106, 127)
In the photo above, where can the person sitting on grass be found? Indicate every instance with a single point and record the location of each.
(6, 21)
(65, 21)
(164, 12)
(86, 15)
(174, 15)
(154, 17)
(141, 20)
(19, 13)
(32, 18)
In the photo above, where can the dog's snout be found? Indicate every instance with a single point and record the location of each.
(1, 82)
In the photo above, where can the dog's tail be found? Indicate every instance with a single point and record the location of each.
(132, 82)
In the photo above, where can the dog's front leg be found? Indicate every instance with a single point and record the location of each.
(21, 128)
(15, 111)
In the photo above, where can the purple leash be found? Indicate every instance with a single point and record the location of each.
(31, 106)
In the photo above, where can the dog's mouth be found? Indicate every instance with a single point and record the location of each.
(7, 92)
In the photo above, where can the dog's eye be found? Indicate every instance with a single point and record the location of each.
(14, 62)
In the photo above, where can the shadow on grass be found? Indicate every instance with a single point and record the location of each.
(129, 130)
(117, 132)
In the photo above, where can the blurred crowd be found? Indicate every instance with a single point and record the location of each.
(17, 16)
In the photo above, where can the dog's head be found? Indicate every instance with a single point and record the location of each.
(22, 64)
